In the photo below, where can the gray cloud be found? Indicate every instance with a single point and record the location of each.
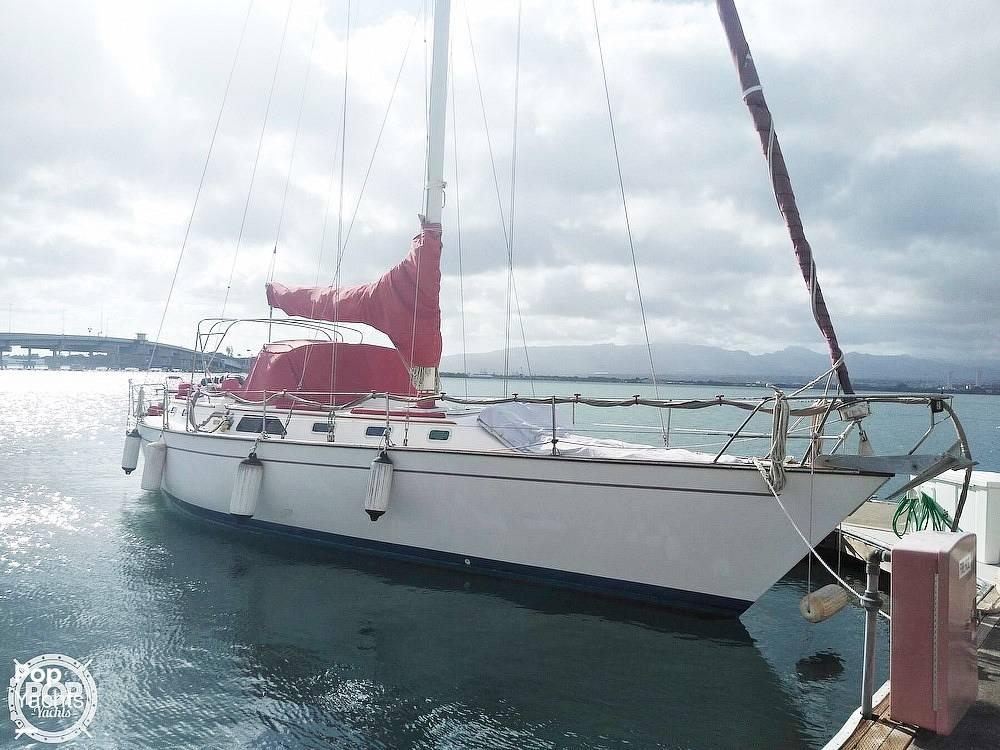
(886, 125)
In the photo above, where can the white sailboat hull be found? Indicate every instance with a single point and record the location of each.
(706, 536)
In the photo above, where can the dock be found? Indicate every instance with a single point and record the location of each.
(870, 527)
(978, 730)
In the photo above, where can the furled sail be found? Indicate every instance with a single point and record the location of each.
(753, 96)
(404, 304)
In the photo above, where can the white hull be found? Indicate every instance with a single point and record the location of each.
(707, 536)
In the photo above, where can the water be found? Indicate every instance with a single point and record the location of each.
(200, 636)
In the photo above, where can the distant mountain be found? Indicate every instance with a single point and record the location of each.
(691, 361)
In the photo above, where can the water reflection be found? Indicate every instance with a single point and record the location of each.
(823, 665)
(204, 637)
(313, 644)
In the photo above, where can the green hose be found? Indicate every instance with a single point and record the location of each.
(918, 511)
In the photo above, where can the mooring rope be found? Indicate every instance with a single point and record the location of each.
(765, 474)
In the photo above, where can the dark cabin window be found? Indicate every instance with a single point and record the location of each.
(321, 427)
(375, 431)
(253, 424)
(439, 434)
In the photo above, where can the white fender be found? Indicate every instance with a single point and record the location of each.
(246, 487)
(379, 487)
(154, 458)
(130, 453)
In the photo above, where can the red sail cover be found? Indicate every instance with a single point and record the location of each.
(403, 304)
(311, 368)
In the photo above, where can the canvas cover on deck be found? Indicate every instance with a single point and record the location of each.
(403, 304)
(527, 428)
(310, 368)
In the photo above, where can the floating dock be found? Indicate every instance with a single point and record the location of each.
(980, 728)
(870, 527)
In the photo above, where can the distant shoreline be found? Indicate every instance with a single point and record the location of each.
(888, 387)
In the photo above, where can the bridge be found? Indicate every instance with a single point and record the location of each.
(89, 352)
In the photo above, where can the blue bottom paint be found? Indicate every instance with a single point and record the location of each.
(608, 587)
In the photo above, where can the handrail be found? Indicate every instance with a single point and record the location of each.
(808, 406)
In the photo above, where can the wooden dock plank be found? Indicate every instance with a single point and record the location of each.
(880, 733)
(873, 738)
(899, 739)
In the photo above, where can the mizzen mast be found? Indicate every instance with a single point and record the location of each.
(753, 96)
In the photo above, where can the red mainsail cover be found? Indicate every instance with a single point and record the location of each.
(404, 304)
(313, 368)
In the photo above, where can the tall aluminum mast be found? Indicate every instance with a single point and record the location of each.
(437, 109)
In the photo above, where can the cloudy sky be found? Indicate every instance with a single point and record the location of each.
(887, 112)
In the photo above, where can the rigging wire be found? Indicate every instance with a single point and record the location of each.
(295, 141)
(500, 211)
(628, 224)
(322, 245)
(201, 184)
(381, 130)
(378, 140)
(340, 199)
(291, 162)
(458, 228)
(510, 214)
(511, 287)
(256, 160)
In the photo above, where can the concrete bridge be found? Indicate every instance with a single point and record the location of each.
(89, 352)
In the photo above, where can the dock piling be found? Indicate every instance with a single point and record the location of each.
(872, 602)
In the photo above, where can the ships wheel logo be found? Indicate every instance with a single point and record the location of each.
(52, 698)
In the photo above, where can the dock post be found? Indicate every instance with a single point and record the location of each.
(872, 602)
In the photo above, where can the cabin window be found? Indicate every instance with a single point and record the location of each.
(375, 431)
(321, 426)
(439, 434)
(253, 424)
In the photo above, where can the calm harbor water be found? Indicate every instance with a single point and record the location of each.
(200, 636)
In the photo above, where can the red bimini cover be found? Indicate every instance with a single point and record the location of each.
(403, 304)
(316, 369)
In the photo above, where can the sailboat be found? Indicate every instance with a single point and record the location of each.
(353, 444)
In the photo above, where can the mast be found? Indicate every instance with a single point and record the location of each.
(753, 96)
(437, 110)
